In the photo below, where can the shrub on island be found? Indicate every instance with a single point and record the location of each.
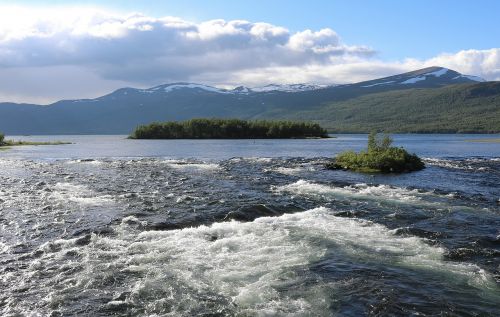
(379, 157)
(9, 143)
(228, 129)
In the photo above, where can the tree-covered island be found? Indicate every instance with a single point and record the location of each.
(229, 129)
(379, 157)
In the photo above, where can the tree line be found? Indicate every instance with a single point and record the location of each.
(228, 129)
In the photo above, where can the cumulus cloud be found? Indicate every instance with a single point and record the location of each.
(141, 48)
(485, 63)
(95, 49)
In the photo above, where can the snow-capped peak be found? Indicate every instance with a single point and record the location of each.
(241, 90)
(474, 78)
(176, 86)
(436, 73)
(289, 87)
(238, 90)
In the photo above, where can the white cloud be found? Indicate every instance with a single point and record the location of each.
(485, 63)
(107, 49)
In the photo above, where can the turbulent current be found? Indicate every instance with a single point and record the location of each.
(247, 237)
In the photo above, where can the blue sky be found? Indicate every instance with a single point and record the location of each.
(396, 29)
(53, 49)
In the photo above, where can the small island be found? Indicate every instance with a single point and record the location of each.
(229, 129)
(379, 157)
(7, 143)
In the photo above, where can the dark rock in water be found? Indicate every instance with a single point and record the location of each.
(103, 231)
(212, 238)
(250, 213)
(463, 254)
(350, 213)
(83, 240)
(173, 225)
(121, 296)
(490, 241)
(408, 231)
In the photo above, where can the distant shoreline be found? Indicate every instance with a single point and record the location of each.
(24, 135)
(9, 143)
(484, 140)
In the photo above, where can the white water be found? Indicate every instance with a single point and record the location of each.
(363, 191)
(240, 265)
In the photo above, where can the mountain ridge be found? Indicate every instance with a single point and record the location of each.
(123, 109)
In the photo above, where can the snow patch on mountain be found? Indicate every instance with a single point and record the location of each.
(170, 88)
(438, 73)
(241, 90)
(474, 78)
(378, 84)
(289, 87)
(413, 80)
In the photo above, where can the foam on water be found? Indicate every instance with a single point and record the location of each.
(448, 164)
(361, 191)
(293, 170)
(86, 161)
(227, 268)
(191, 166)
(4, 248)
(471, 164)
(67, 192)
(252, 159)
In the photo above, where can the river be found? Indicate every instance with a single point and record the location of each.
(110, 226)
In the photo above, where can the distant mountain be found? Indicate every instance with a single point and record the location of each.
(190, 87)
(422, 78)
(290, 87)
(463, 108)
(338, 107)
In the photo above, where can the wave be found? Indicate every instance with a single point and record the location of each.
(362, 191)
(191, 166)
(470, 164)
(252, 159)
(230, 267)
(86, 161)
(293, 170)
(80, 194)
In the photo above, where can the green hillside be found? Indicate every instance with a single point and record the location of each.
(455, 109)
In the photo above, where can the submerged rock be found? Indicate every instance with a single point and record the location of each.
(250, 213)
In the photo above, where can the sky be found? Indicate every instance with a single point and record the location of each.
(52, 50)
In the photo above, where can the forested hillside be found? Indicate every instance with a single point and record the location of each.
(452, 109)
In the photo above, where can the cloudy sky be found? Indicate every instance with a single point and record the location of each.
(51, 50)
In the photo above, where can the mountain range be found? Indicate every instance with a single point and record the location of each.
(433, 99)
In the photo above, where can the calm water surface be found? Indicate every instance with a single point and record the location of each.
(110, 226)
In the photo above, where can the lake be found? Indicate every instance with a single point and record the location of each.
(110, 226)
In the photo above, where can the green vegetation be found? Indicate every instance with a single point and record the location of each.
(229, 129)
(464, 108)
(4, 142)
(379, 157)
